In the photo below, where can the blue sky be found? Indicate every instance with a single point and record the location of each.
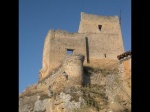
(37, 17)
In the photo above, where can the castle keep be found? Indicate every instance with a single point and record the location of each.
(98, 39)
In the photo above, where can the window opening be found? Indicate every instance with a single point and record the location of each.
(100, 27)
(69, 51)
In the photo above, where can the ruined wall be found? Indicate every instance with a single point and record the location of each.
(46, 62)
(61, 42)
(96, 45)
(55, 49)
(118, 86)
(126, 67)
(69, 74)
(73, 67)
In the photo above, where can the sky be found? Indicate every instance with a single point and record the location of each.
(37, 17)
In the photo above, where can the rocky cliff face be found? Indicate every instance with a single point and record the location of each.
(100, 90)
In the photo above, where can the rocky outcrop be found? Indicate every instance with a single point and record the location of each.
(74, 88)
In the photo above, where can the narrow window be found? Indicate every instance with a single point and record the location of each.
(100, 27)
(69, 51)
(105, 55)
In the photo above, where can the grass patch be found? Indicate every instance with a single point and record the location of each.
(90, 95)
(89, 70)
(44, 96)
(31, 90)
(74, 97)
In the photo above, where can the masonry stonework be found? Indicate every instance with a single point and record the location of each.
(70, 73)
(98, 38)
(73, 68)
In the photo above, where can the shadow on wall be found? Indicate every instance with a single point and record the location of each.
(87, 49)
(91, 74)
(86, 79)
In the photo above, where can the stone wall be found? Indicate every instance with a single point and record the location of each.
(95, 45)
(89, 24)
(55, 49)
(69, 74)
(118, 86)
(63, 41)
(104, 43)
(73, 67)
(104, 46)
(126, 63)
(46, 64)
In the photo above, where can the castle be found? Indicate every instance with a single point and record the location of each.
(85, 69)
(98, 39)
